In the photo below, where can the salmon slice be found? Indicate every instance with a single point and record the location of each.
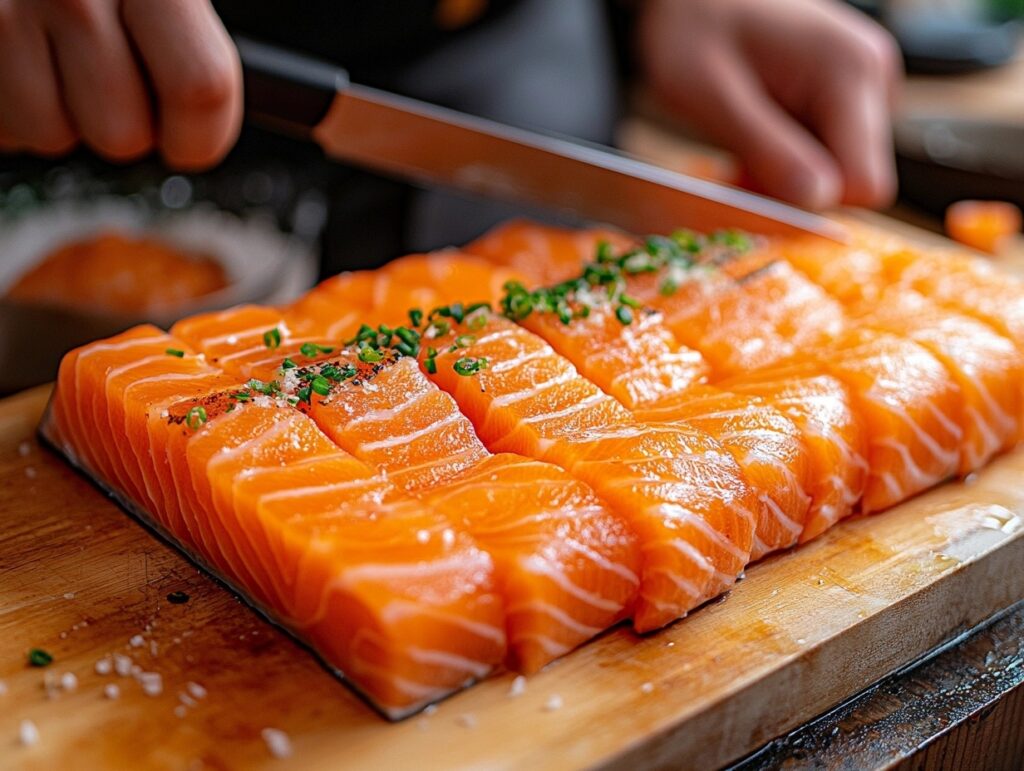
(682, 493)
(739, 324)
(566, 565)
(641, 363)
(333, 308)
(428, 280)
(381, 586)
(821, 407)
(767, 446)
(986, 366)
(545, 254)
(911, 409)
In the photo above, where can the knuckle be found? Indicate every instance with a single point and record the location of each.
(82, 13)
(874, 54)
(205, 89)
(121, 141)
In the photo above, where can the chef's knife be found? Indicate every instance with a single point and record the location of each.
(434, 146)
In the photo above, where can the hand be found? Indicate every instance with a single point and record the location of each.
(82, 70)
(800, 90)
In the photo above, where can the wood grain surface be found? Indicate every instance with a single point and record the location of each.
(803, 631)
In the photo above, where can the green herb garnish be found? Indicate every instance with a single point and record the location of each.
(37, 657)
(469, 365)
(312, 350)
(195, 417)
(175, 352)
(272, 338)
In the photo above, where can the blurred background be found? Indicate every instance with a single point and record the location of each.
(88, 248)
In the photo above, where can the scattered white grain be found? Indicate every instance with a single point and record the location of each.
(136, 670)
(670, 644)
(467, 721)
(111, 691)
(180, 711)
(430, 709)
(136, 641)
(69, 595)
(196, 690)
(647, 688)
(187, 700)
(278, 743)
(28, 734)
(422, 536)
(122, 664)
(518, 687)
(24, 449)
(152, 683)
(30, 472)
(554, 703)
(447, 536)
(68, 681)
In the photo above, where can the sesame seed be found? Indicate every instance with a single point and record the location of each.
(554, 703)
(647, 688)
(422, 536)
(187, 700)
(69, 595)
(68, 681)
(152, 683)
(136, 641)
(111, 691)
(196, 690)
(278, 743)
(430, 709)
(28, 734)
(122, 664)
(518, 687)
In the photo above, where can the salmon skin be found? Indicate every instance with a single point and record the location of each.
(477, 459)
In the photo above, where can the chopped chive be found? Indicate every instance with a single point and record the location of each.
(272, 338)
(440, 328)
(407, 335)
(320, 386)
(304, 394)
(464, 341)
(407, 350)
(370, 355)
(415, 316)
(311, 350)
(175, 352)
(195, 417)
(240, 396)
(604, 253)
(468, 365)
(430, 365)
(477, 321)
(668, 287)
(288, 364)
(37, 657)
(632, 302)
(624, 314)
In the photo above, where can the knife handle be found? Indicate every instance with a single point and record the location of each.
(284, 90)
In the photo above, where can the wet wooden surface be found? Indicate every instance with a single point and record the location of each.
(804, 631)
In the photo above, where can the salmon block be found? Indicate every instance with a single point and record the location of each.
(383, 587)
(766, 444)
(911, 409)
(441, 278)
(543, 253)
(334, 307)
(566, 565)
(987, 368)
(682, 492)
(821, 408)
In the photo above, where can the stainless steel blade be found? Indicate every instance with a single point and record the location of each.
(435, 146)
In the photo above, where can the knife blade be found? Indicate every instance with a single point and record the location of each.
(434, 146)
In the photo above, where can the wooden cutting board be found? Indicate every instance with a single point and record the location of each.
(805, 630)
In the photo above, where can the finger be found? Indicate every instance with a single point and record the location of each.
(852, 118)
(195, 71)
(32, 115)
(103, 87)
(727, 101)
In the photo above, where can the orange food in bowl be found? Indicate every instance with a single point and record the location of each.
(115, 273)
(983, 225)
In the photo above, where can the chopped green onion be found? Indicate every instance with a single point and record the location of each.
(632, 302)
(430, 365)
(304, 394)
(241, 396)
(175, 352)
(288, 364)
(370, 355)
(312, 350)
(320, 385)
(464, 341)
(195, 417)
(415, 316)
(624, 314)
(272, 338)
(468, 365)
(37, 657)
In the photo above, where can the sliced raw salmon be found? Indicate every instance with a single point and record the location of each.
(911, 409)
(986, 366)
(767, 446)
(543, 253)
(566, 565)
(682, 493)
(822, 409)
